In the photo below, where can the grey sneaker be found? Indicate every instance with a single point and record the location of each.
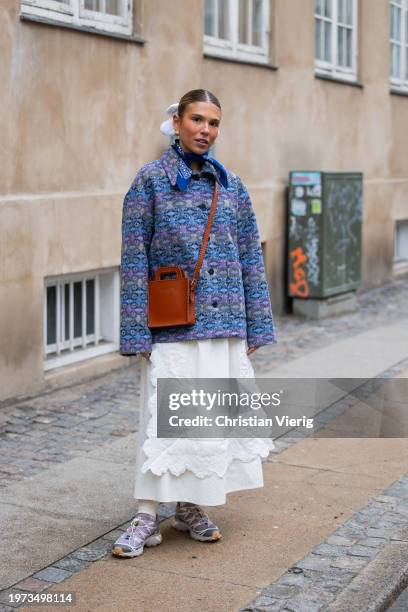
(191, 518)
(143, 531)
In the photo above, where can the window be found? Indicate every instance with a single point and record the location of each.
(399, 44)
(114, 16)
(237, 29)
(81, 317)
(336, 38)
(401, 241)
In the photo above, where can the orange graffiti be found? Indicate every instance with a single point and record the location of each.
(300, 286)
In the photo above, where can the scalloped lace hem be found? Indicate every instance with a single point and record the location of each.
(202, 456)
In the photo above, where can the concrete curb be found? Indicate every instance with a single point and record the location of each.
(379, 584)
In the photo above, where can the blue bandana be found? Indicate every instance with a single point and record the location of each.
(185, 172)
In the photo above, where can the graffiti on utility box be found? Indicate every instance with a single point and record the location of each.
(299, 285)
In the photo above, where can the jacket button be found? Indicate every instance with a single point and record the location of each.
(215, 303)
(211, 271)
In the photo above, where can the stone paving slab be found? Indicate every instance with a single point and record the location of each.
(77, 502)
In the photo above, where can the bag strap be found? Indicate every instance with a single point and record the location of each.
(206, 236)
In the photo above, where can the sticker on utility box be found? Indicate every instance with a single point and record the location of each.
(316, 207)
(314, 191)
(305, 178)
(298, 207)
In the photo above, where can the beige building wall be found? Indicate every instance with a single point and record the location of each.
(80, 114)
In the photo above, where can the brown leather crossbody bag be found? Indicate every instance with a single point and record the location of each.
(171, 301)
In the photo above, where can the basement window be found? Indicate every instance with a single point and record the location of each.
(401, 246)
(81, 317)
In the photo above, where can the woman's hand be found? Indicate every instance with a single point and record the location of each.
(146, 355)
(251, 349)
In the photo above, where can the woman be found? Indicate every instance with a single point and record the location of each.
(165, 213)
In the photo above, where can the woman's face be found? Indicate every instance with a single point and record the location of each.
(198, 128)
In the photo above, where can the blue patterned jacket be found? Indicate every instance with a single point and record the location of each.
(162, 226)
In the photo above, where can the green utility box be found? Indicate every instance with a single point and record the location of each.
(324, 224)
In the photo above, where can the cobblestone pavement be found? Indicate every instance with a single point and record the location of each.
(55, 427)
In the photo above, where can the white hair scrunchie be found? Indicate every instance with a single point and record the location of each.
(166, 127)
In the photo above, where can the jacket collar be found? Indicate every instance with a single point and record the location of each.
(170, 162)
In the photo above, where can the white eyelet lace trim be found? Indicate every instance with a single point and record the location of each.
(203, 456)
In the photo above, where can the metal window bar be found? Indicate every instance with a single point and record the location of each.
(58, 321)
(62, 342)
(96, 310)
(62, 302)
(71, 316)
(83, 313)
(401, 241)
(45, 321)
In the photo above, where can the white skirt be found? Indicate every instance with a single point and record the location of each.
(200, 470)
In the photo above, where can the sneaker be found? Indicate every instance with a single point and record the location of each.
(190, 517)
(143, 531)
